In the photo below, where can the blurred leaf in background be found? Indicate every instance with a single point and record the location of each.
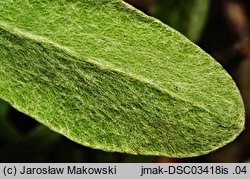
(188, 17)
(3, 108)
(7, 132)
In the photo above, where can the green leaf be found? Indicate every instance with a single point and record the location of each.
(109, 77)
(3, 108)
(7, 132)
(188, 16)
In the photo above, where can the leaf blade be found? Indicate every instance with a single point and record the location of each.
(115, 76)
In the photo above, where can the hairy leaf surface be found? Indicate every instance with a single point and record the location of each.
(109, 77)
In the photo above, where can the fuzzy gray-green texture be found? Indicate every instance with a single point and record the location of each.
(109, 77)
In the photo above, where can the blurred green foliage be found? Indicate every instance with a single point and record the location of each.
(188, 17)
(3, 108)
(7, 132)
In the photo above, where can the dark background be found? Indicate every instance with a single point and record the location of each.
(222, 30)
